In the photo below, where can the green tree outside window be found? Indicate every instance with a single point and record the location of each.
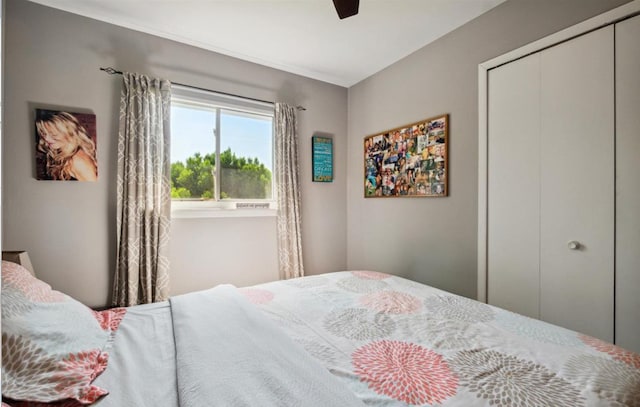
(240, 177)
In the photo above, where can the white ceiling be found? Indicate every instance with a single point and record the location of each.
(299, 36)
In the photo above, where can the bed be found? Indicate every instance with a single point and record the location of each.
(353, 338)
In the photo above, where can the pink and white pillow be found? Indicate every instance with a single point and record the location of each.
(53, 347)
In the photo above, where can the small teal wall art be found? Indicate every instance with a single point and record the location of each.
(322, 158)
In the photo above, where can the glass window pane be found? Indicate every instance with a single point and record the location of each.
(246, 156)
(192, 152)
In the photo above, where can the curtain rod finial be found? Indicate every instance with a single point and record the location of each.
(110, 70)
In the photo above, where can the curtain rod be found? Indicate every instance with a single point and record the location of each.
(113, 71)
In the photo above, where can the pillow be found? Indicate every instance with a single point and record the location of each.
(53, 346)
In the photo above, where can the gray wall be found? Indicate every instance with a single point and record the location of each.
(433, 240)
(52, 60)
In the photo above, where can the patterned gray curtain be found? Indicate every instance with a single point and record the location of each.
(288, 191)
(144, 192)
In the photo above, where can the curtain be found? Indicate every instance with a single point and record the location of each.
(144, 192)
(288, 193)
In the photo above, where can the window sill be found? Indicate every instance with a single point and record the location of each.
(221, 213)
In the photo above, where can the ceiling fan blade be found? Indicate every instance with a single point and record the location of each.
(346, 8)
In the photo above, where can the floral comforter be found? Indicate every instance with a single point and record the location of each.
(395, 342)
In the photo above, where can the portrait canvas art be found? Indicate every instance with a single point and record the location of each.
(65, 146)
(409, 161)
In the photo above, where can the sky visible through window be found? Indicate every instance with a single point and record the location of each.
(192, 131)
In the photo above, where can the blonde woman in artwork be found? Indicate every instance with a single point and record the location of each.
(70, 153)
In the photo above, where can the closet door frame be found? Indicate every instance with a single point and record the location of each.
(610, 17)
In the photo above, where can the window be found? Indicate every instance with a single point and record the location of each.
(208, 128)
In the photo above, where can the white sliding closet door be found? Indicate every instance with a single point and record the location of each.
(628, 184)
(577, 184)
(514, 182)
(551, 181)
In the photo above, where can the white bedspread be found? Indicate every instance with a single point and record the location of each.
(141, 370)
(228, 354)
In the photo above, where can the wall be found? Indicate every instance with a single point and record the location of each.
(434, 240)
(52, 60)
(69, 227)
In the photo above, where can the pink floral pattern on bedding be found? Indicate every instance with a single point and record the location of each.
(371, 275)
(618, 353)
(53, 347)
(395, 342)
(32, 288)
(256, 295)
(35, 374)
(405, 371)
(391, 302)
(110, 319)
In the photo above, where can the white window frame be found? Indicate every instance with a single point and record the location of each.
(193, 208)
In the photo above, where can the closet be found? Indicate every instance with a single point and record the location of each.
(560, 194)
